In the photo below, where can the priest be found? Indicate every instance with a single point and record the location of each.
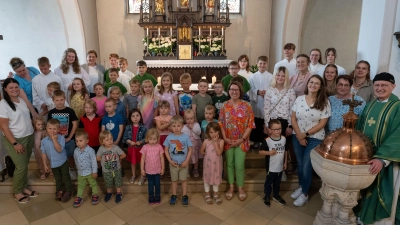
(380, 121)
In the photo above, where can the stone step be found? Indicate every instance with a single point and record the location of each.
(254, 182)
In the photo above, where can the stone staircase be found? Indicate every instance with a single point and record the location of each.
(254, 181)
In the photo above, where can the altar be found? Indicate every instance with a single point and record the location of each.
(196, 68)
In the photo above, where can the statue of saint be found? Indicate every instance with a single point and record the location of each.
(184, 3)
(210, 6)
(159, 7)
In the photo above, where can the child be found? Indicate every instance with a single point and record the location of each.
(141, 66)
(79, 95)
(112, 121)
(273, 148)
(131, 99)
(162, 121)
(168, 93)
(147, 103)
(68, 125)
(91, 123)
(193, 130)
(113, 74)
(39, 82)
(201, 99)
(124, 75)
(100, 99)
(240, 80)
(134, 137)
(115, 93)
(212, 148)
(209, 114)
(53, 147)
(152, 165)
(85, 159)
(178, 150)
(233, 69)
(185, 96)
(110, 156)
(38, 125)
(51, 87)
(113, 59)
(219, 97)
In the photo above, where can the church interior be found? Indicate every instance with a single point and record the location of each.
(358, 29)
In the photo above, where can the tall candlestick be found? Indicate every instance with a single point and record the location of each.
(213, 80)
(158, 31)
(159, 80)
(222, 31)
(170, 30)
(199, 31)
(147, 31)
(210, 31)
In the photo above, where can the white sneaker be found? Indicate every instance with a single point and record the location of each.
(284, 177)
(72, 174)
(296, 193)
(301, 200)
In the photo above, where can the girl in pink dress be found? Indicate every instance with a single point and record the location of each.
(212, 148)
(148, 103)
(193, 130)
(100, 99)
(168, 93)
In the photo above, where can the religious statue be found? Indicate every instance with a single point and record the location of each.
(210, 6)
(184, 3)
(159, 7)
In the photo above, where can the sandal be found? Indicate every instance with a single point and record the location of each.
(21, 200)
(217, 199)
(208, 199)
(229, 195)
(32, 195)
(43, 176)
(141, 181)
(242, 196)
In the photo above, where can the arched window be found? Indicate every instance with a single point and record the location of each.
(235, 6)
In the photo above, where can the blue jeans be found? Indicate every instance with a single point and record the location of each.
(70, 147)
(304, 167)
(153, 182)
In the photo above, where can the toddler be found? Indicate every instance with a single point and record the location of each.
(193, 130)
(38, 125)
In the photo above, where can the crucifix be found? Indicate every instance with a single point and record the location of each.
(352, 103)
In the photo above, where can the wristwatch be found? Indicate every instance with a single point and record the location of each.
(307, 134)
(15, 143)
(290, 126)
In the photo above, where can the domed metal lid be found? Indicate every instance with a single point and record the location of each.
(346, 144)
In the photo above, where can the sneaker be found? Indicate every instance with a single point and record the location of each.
(284, 177)
(132, 179)
(267, 201)
(301, 200)
(296, 193)
(107, 197)
(196, 173)
(78, 202)
(185, 200)
(118, 197)
(95, 200)
(279, 199)
(72, 173)
(173, 199)
(66, 197)
(141, 181)
(157, 200)
(151, 200)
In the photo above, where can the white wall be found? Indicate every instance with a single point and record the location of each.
(394, 61)
(31, 29)
(88, 11)
(279, 10)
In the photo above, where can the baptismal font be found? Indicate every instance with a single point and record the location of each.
(341, 162)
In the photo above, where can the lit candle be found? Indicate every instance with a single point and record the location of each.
(159, 80)
(210, 31)
(204, 77)
(170, 30)
(222, 31)
(158, 31)
(214, 78)
(199, 31)
(147, 31)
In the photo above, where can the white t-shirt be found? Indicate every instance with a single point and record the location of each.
(308, 117)
(315, 68)
(245, 73)
(275, 163)
(94, 78)
(19, 120)
(290, 66)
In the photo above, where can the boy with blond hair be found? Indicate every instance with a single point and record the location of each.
(186, 95)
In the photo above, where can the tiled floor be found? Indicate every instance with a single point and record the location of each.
(134, 209)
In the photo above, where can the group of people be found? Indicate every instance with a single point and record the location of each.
(92, 113)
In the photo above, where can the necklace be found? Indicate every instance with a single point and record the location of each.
(357, 84)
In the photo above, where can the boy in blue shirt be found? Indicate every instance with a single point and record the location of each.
(112, 121)
(52, 147)
(178, 149)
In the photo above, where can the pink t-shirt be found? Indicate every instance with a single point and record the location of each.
(152, 162)
(101, 110)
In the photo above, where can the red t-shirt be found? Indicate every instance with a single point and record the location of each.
(93, 128)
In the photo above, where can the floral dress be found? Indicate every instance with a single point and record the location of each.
(77, 104)
(236, 121)
(169, 97)
(147, 107)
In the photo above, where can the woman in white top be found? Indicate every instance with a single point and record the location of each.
(17, 138)
(330, 57)
(316, 60)
(244, 66)
(298, 82)
(278, 101)
(69, 70)
(94, 70)
(310, 114)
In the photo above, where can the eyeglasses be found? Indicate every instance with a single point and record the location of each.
(234, 90)
(381, 85)
(233, 68)
(277, 129)
(343, 85)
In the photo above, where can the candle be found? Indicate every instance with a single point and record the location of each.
(204, 77)
(170, 30)
(159, 80)
(222, 31)
(147, 31)
(210, 31)
(214, 78)
(199, 31)
(158, 31)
